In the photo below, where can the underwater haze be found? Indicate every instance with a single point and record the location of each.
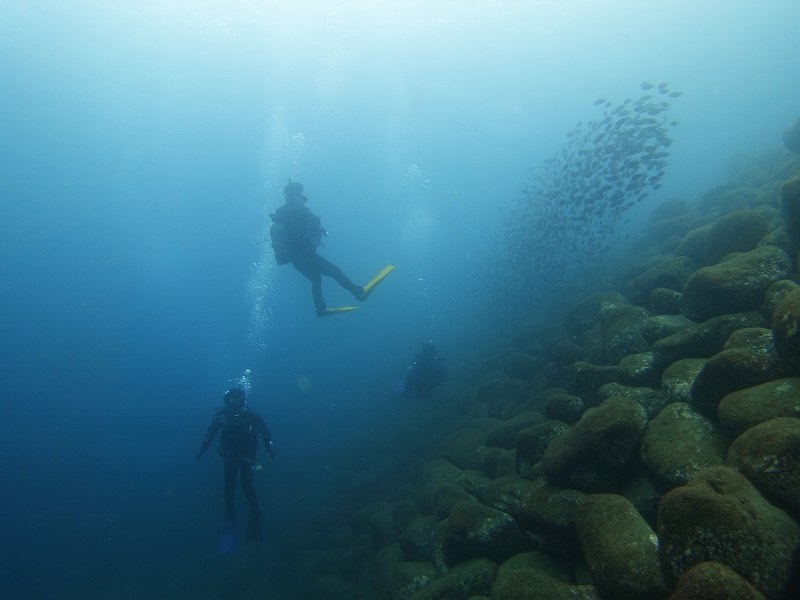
(144, 145)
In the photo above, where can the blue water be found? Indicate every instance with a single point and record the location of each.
(143, 146)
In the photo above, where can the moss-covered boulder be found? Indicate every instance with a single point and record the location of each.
(466, 448)
(584, 379)
(620, 549)
(719, 516)
(739, 231)
(678, 378)
(704, 339)
(564, 407)
(661, 326)
(471, 578)
(665, 302)
(504, 435)
(586, 312)
(734, 285)
(651, 400)
(671, 273)
(600, 451)
(769, 456)
(446, 496)
(532, 442)
(713, 581)
(776, 293)
(790, 207)
(417, 541)
(476, 531)
(529, 583)
(749, 358)
(679, 443)
(396, 578)
(549, 509)
(786, 331)
(693, 245)
(640, 369)
(743, 409)
(791, 137)
(622, 331)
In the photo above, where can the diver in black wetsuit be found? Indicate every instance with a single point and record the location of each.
(238, 429)
(296, 234)
(425, 373)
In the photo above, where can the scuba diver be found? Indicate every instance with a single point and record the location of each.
(238, 429)
(425, 373)
(296, 234)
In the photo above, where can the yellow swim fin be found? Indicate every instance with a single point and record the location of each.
(376, 280)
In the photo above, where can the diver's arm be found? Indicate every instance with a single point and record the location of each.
(263, 431)
(211, 433)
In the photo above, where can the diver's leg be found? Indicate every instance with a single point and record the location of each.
(254, 522)
(231, 469)
(308, 267)
(327, 268)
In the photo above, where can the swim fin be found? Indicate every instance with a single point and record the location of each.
(376, 280)
(227, 543)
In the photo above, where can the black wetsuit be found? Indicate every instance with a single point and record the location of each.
(425, 373)
(238, 441)
(299, 242)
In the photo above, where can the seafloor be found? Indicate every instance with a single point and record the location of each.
(647, 446)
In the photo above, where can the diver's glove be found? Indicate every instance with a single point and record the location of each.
(271, 449)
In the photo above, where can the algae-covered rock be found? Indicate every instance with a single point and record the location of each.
(477, 531)
(564, 407)
(622, 331)
(546, 563)
(665, 302)
(769, 456)
(397, 578)
(471, 578)
(743, 409)
(713, 581)
(670, 273)
(790, 207)
(529, 583)
(466, 448)
(583, 378)
(599, 452)
(739, 231)
(446, 496)
(661, 326)
(791, 137)
(679, 443)
(504, 435)
(706, 338)
(620, 548)
(786, 331)
(749, 359)
(777, 292)
(693, 245)
(719, 516)
(678, 378)
(532, 442)
(734, 285)
(416, 541)
(640, 369)
(650, 399)
(547, 508)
